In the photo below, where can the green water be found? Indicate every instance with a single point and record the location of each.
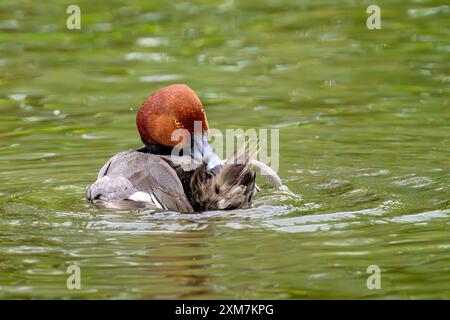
(364, 147)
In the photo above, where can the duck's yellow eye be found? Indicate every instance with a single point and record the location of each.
(177, 124)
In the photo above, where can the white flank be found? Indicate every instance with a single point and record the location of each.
(141, 196)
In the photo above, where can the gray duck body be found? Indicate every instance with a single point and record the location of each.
(138, 178)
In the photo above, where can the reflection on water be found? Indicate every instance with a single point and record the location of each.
(363, 118)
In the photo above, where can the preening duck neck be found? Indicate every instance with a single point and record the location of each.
(156, 148)
(159, 149)
(200, 152)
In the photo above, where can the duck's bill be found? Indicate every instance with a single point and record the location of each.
(203, 152)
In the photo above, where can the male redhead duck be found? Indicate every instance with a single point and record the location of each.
(158, 175)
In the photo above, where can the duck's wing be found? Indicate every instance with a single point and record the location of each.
(269, 174)
(233, 187)
(140, 177)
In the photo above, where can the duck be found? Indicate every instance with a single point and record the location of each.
(176, 169)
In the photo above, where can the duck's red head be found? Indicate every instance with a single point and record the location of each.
(170, 108)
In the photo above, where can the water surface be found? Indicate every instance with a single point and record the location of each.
(364, 148)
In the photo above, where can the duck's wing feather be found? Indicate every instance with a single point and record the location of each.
(232, 188)
(140, 177)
